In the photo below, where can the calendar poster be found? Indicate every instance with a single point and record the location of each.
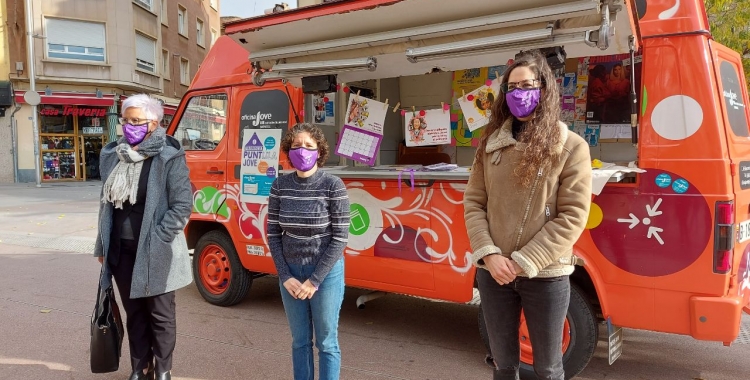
(429, 127)
(366, 113)
(358, 144)
(260, 160)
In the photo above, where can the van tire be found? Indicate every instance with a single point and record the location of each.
(584, 335)
(215, 252)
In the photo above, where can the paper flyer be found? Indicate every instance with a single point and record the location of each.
(570, 84)
(591, 135)
(323, 105)
(260, 160)
(477, 105)
(609, 86)
(428, 127)
(568, 109)
(465, 81)
(366, 114)
(580, 111)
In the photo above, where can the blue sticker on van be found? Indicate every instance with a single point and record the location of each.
(680, 186)
(663, 180)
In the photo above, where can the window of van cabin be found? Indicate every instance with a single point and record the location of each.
(733, 100)
(182, 21)
(75, 40)
(203, 124)
(145, 53)
(199, 35)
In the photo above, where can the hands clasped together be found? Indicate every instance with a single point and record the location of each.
(502, 269)
(300, 291)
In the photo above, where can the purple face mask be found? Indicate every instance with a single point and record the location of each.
(303, 159)
(522, 103)
(135, 133)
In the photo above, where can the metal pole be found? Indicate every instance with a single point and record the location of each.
(32, 87)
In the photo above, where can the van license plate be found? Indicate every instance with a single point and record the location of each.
(744, 233)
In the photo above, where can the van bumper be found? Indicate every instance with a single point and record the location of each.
(716, 318)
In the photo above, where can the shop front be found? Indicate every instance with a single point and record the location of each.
(72, 131)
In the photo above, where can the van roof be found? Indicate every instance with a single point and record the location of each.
(386, 29)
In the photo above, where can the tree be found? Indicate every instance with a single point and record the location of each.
(729, 21)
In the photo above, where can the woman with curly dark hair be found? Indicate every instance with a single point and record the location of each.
(308, 229)
(526, 204)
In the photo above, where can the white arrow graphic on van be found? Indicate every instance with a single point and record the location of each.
(634, 221)
(654, 231)
(653, 211)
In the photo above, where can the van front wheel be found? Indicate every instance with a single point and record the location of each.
(581, 334)
(219, 275)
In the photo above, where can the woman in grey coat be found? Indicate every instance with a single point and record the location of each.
(146, 202)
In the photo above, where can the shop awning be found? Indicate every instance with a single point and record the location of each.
(387, 29)
(71, 99)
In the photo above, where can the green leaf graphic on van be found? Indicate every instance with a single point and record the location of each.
(644, 102)
(209, 200)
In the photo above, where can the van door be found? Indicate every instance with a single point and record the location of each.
(256, 108)
(733, 90)
(201, 130)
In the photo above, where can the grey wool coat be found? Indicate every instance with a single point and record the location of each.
(162, 263)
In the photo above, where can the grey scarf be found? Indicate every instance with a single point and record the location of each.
(122, 184)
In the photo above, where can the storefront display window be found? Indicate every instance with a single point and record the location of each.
(70, 139)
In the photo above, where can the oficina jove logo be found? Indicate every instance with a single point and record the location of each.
(257, 118)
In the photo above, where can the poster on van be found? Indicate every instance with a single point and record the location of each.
(477, 105)
(609, 87)
(266, 109)
(260, 160)
(428, 127)
(323, 107)
(366, 114)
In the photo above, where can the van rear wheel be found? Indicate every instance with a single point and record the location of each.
(219, 275)
(579, 342)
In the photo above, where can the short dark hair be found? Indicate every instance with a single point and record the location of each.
(315, 132)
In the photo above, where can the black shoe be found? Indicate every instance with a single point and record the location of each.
(164, 376)
(139, 375)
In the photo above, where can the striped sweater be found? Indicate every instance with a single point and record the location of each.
(308, 223)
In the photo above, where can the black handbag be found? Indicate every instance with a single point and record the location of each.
(106, 332)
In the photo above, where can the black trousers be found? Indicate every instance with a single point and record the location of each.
(151, 322)
(545, 305)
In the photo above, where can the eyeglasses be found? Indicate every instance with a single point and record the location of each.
(124, 121)
(527, 84)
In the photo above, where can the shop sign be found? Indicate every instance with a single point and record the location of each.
(92, 130)
(73, 111)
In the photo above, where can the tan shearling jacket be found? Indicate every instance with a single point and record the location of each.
(535, 226)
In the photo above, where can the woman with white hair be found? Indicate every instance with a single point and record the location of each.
(146, 202)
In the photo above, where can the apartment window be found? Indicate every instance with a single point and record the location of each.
(145, 53)
(76, 40)
(182, 21)
(165, 64)
(214, 5)
(184, 71)
(144, 3)
(214, 36)
(163, 14)
(199, 32)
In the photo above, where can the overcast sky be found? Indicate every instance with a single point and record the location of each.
(250, 8)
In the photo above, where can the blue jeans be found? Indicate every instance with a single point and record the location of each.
(319, 314)
(545, 306)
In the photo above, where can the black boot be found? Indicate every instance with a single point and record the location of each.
(164, 376)
(139, 375)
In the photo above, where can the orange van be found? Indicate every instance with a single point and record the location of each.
(666, 246)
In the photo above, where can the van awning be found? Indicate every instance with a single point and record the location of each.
(436, 34)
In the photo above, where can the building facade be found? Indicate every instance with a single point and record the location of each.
(89, 55)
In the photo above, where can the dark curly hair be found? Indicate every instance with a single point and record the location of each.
(542, 133)
(315, 132)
